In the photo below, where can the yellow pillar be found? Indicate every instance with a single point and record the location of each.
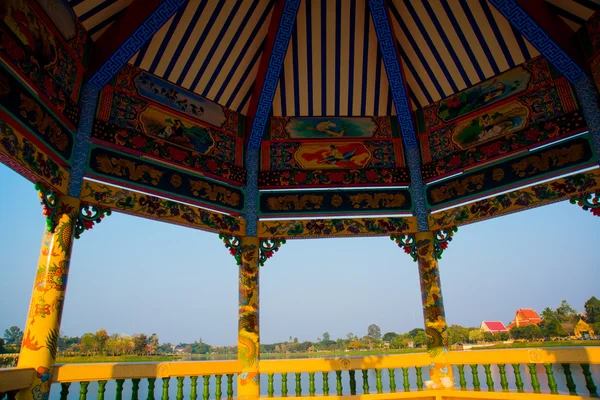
(433, 312)
(248, 321)
(38, 350)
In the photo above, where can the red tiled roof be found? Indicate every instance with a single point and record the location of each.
(528, 313)
(495, 326)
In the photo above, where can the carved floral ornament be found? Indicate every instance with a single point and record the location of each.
(589, 202)
(267, 248)
(441, 238)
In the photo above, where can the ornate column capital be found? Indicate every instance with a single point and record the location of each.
(266, 247)
(410, 243)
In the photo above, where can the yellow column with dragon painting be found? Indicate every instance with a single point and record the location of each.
(433, 312)
(39, 347)
(248, 320)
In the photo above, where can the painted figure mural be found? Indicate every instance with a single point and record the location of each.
(330, 127)
(332, 155)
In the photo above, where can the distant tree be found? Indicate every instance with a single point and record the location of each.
(140, 342)
(350, 336)
(420, 338)
(101, 339)
(413, 333)
(528, 332)
(475, 335)
(1, 346)
(565, 312)
(397, 342)
(88, 343)
(458, 334)
(13, 335)
(592, 310)
(295, 340)
(356, 344)
(153, 343)
(389, 336)
(503, 336)
(374, 332)
(326, 336)
(552, 328)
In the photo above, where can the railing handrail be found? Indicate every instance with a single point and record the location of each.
(15, 378)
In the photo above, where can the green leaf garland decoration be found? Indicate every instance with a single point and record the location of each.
(441, 239)
(268, 247)
(49, 202)
(589, 202)
(408, 243)
(88, 216)
(234, 244)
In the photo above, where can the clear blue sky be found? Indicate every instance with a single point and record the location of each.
(131, 275)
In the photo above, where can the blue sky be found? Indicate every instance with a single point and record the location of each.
(131, 275)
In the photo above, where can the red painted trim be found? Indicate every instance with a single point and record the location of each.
(264, 65)
(117, 33)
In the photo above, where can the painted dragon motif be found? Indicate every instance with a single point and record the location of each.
(127, 168)
(295, 202)
(32, 111)
(378, 200)
(215, 193)
(548, 159)
(458, 188)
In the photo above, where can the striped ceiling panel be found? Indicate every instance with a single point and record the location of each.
(574, 12)
(211, 47)
(449, 45)
(97, 15)
(333, 65)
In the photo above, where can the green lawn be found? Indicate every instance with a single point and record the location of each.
(521, 345)
(113, 359)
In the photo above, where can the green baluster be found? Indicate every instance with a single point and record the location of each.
(151, 388)
(503, 380)
(165, 392)
(218, 392)
(194, 390)
(378, 383)
(229, 386)
(284, 389)
(135, 388)
(405, 382)
(365, 375)
(488, 377)
(64, 390)
(298, 384)
(270, 389)
(206, 392)
(325, 383)
(461, 374)
(119, 394)
(338, 382)
(179, 395)
(83, 388)
(476, 383)
(311, 383)
(535, 383)
(352, 374)
(551, 382)
(589, 382)
(392, 374)
(419, 378)
(570, 383)
(518, 379)
(101, 389)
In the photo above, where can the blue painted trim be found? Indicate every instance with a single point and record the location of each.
(252, 163)
(391, 62)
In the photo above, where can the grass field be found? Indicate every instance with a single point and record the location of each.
(113, 359)
(521, 345)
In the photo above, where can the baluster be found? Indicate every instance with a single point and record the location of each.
(101, 389)
(270, 388)
(2, 394)
(206, 392)
(165, 392)
(551, 381)
(12, 395)
(194, 390)
(392, 374)
(378, 383)
(151, 388)
(535, 383)
(298, 385)
(284, 389)
(338, 382)
(570, 383)
(419, 378)
(83, 388)
(503, 380)
(64, 390)
(518, 379)
(488, 377)
(476, 383)
(135, 387)
(352, 374)
(218, 392)
(405, 381)
(179, 395)
(325, 383)
(589, 382)
(229, 386)
(119, 394)
(311, 383)
(461, 373)
(365, 375)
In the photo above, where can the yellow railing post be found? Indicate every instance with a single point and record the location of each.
(433, 311)
(40, 341)
(248, 321)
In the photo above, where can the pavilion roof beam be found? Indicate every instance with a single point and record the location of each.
(261, 101)
(535, 24)
(108, 64)
(399, 89)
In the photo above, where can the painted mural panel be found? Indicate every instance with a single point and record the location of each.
(294, 178)
(132, 171)
(18, 101)
(554, 191)
(330, 202)
(30, 44)
(547, 161)
(22, 155)
(303, 128)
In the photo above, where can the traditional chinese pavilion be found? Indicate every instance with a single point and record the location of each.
(398, 118)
